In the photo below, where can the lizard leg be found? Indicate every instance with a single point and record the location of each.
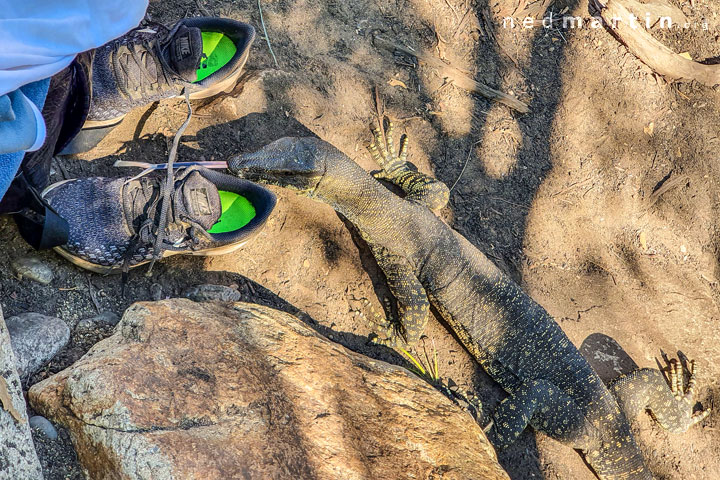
(397, 170)
(412, 303)
(670, 401)
(547, 409)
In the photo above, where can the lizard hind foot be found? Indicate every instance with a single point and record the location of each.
(385, 331)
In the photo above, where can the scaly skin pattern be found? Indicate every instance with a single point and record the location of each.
(551, 386)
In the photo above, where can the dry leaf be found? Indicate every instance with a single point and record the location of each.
(650, 129)
(643, 241)
(686, 55)
(394, 82)
(7, 401)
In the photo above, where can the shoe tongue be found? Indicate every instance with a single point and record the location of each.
(199, 199)
(184, 52)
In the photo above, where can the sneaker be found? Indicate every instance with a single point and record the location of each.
(114, 222)
(202, 56)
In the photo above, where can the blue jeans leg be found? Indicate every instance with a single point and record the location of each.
(10, 162)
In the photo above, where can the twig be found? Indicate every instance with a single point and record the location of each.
(92, 295)
(202, 8)
(379, 111)
(439, 37)
(668, 185)
(459, 78)
(407, 119)
(462, 23)
(453, 9)
(534, 9)
(467, 160)
(574, 185)
(267, 37)
(500, 199)
(250, 287)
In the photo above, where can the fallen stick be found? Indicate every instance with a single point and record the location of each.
(656, 10)
(665, 187)
(458, 78)
(651, 52)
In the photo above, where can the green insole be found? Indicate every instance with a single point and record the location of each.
(218, 50)
(237, 211)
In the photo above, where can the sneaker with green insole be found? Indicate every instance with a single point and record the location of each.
(114, 222)
(203, 56)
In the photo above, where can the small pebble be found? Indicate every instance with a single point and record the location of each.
(44, 425)
(105, 318)
(34, 269)
(85, 324)
(156, 292)
(208, 292)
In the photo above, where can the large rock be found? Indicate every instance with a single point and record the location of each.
(36, 339)
(208, 391)
(18, 460)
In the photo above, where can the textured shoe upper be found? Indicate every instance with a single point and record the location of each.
(152, 63)
(195, 203)
(93, 208)
(114, 222)
(127, 73)
(106, 216)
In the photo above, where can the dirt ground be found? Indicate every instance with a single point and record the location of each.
(602, 201)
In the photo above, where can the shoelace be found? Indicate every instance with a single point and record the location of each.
(141, 51)
(169, 187)
(168, 192)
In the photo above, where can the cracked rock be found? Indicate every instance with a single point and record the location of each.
(218, 391)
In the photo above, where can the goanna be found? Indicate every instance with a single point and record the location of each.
(550, 385)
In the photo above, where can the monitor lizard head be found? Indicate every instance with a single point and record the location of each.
(295, 163)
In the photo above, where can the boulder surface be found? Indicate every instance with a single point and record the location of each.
(186, 390)
(18, 460)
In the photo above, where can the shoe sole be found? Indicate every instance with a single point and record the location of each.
(107, 270)
(93, 131)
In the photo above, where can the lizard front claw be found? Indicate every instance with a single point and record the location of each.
(396, 169)
(383, 150)
(685, 392)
